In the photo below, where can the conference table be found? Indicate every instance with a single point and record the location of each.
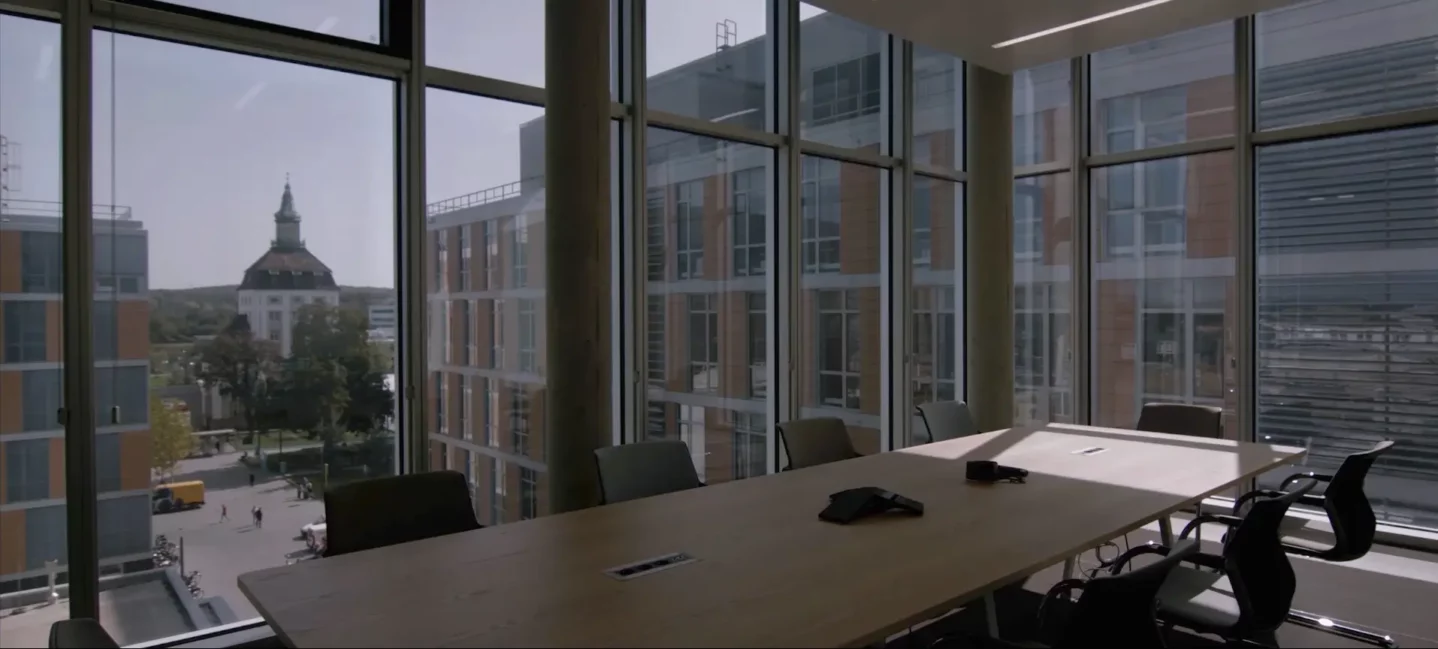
(762, 569)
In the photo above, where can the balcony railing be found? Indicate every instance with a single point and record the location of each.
(480, 197)
(14, 207)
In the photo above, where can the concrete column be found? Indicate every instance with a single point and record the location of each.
(988, 314)
(577, 247)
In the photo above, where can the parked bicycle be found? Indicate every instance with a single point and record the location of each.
(192, 581)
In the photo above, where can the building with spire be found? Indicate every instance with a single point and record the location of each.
(285, 278)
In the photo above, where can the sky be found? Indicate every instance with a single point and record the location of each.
(198, 143)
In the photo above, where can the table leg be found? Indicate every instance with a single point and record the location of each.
(991, 615)
(1165, 531)
(1069, 565)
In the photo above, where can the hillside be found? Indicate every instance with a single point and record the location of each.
(179, 315)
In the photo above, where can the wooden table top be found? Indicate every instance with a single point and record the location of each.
(769, 573)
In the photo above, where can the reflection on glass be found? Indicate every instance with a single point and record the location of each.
(710, 59)
(32, 441)
(1328, 60)
(1347, 297)
(243, 315)
(837, 314)
(843, 70)
(1163, 91)
(503, 39)
(936, 242)
(707, 229)
(485, 267)
(1043, 263)
(1042, 119)
(354, 19)
(1162, 285)
(938, 81)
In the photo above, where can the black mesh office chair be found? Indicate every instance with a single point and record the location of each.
(1181, 419)
(644, 469)
(811, 442)
(1115, 610)
(389, 511)
(1353, 522)
(947, 420)
(78, 633)
(1245, 593)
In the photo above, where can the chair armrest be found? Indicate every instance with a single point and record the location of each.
(1123, 559)
(1321, 477)
(1258, 493)
(1206, 560)
(1223, 519)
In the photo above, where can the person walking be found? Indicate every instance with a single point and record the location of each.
(252, 479)
(224, 513)
(259, 517)
(255, 515)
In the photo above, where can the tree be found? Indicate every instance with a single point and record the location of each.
(334, 379)
(170, 437)
(241, 367)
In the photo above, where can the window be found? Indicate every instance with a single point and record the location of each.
(498, 488)
(938, 82)
(1347, 304)
(843, 76)
(464, 254)
(107, 462)
(936, 242)
(121, 260)
(528, 494)
(758, 350)
(703, 325)
(496, 334)
(528, 355)
(491, 254)
(701, 346)
(122, 395)
(654, 234)
(466, 333)
(1143, 207)
(1043, 343)
(441, 402)
(750, 433)
(1146, 312)
(26, 323)
(819, 209)
(441, 258)
(750, 224)
(352, 20)
(519, 251)
(40, 259)
(494, 38)
(466, 407)
(1328, 60)
(1041, 114)
(45, 536)
(1163, 91)
(42, 392)
(838, 349)
(707, 59)
(519, 419)
(27, 470)
(276, 300)
(689, 229)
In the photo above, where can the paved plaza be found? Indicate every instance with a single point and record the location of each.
(222, 551)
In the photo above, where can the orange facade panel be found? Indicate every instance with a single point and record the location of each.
(57, 467)
(132, 317)
(135, 455)
(11, 405)
(9, 261)
(12, 541)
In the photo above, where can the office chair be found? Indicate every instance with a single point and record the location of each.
(1243, 595)
(1354, 526)
(1181, 419)
(389, 511)
(644, 469)
(78, 633)
(1114, 610)
(811, 442)
(947, 420)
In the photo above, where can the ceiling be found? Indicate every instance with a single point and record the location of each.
(969, 28)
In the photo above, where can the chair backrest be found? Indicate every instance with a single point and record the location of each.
(1257, 566)
(80, 633)
(811, 442)
(388, 511)
(644, 469)
(1181, 419)
(1121, 610)
(1347, 505)
(948, 420)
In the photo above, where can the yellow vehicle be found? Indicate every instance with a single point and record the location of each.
(176, 496)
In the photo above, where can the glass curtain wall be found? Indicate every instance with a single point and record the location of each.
(1329, 252)
(254, 210)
